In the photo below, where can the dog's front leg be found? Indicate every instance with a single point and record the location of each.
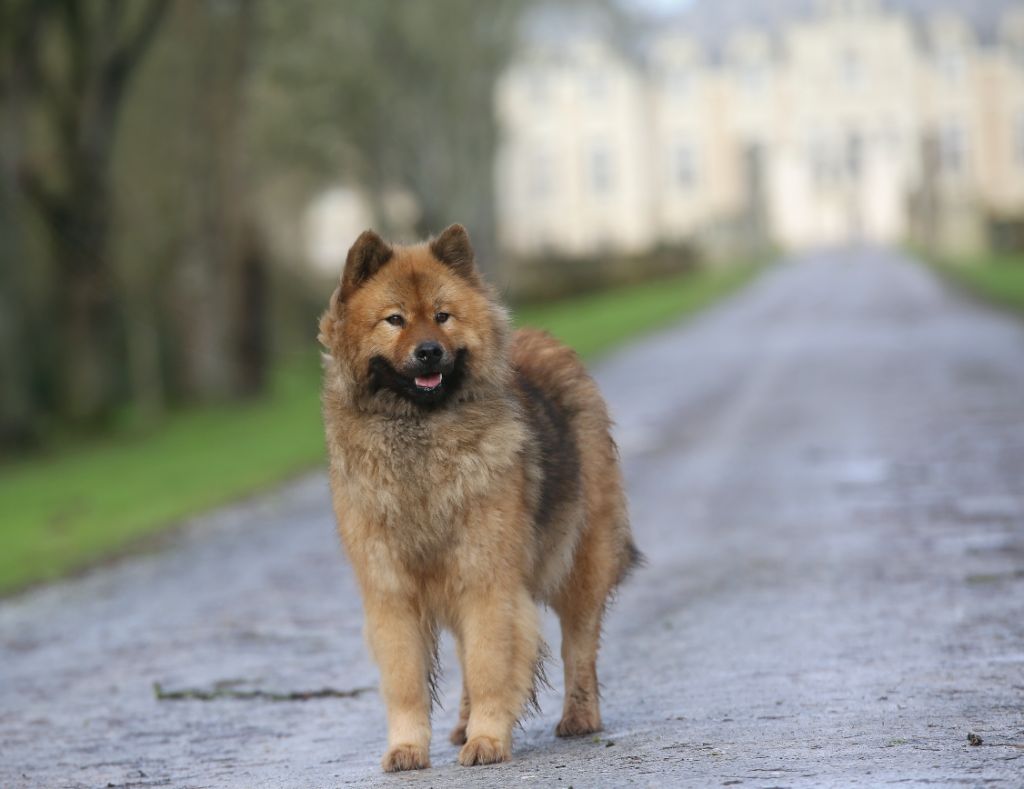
(500, 638)
(403, 646)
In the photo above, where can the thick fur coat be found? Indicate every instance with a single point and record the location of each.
(473, 476)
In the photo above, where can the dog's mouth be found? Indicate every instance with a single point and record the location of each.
(426, 388)
(428, 383)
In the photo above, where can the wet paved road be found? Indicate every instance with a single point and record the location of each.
(827, 474)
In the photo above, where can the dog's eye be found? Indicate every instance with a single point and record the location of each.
(441, 317)
(395, 320)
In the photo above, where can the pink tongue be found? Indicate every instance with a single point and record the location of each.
(428, 381)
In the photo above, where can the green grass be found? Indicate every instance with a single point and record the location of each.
(996, 278)
(71, 508)
(597, 323)
(64, 511)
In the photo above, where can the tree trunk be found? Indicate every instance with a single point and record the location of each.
(85, 299)
(222, 283)
(142, 339)
(80, 104)
(17, 412)
(253, 310)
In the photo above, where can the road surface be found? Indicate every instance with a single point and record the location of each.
(827, 476)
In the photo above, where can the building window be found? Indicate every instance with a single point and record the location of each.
(820, 159)
(1018, 138)
(678, 82)
(952, 65)
(601, 170)
(854, 155)
(537, 86)
(684, 166)
(541, 179)
(889, 136)
(595, 84)
(851, 68)
(952, 148)
(752, 77)
(817, 158)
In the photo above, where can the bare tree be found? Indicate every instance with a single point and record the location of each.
(219, 273)
(394, 95)
(75, 64)
(16, 413)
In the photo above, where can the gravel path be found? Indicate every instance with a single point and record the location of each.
(827, 475)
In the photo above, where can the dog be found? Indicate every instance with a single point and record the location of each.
(473, 476)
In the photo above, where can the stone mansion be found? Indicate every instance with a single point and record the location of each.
(809, 122)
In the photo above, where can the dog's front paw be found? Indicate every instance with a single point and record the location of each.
(578, 722)
(405, 757)
(483, 750)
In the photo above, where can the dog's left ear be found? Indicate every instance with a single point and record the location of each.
(453, 249)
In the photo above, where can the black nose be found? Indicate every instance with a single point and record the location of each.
(429, 351)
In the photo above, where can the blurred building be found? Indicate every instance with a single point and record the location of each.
(336, 216)
(332, 221)
(793, 122)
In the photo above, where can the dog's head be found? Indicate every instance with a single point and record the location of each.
(414, 323)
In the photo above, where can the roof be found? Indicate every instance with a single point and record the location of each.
(714, 22)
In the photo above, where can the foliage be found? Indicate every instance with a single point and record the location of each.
(596, 323)
(546, 277)
(85, 503)
(101, 316)
(997, 278)
(154, 159)
(395, 96)
(67, 67)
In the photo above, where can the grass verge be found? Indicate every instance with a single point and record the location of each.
(64, 511)
(998, 278)
(595, 324)
(67, 510)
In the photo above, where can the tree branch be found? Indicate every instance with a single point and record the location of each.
(116, 69)
(25, 32)
(127, 55)
(47, 201)
(112, 18)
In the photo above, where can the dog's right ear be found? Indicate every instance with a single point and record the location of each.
(365, 258)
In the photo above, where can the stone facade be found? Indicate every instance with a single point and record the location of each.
(801, 123)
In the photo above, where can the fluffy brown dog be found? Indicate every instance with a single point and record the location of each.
(473, 475)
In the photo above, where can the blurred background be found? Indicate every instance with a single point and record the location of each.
(180, 181)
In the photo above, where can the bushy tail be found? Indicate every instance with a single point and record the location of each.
(633, 560)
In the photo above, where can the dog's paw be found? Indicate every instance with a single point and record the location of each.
(405, 757)
(458, 735)
(577, 723)
(483, 750)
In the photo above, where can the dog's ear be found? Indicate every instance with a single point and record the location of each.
(452, 248)
(365, 258)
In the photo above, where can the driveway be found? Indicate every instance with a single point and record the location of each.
(827, 476)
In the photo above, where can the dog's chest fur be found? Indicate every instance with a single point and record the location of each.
(415, 478)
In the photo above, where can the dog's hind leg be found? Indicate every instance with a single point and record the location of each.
(581, 632)
(580, 606)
